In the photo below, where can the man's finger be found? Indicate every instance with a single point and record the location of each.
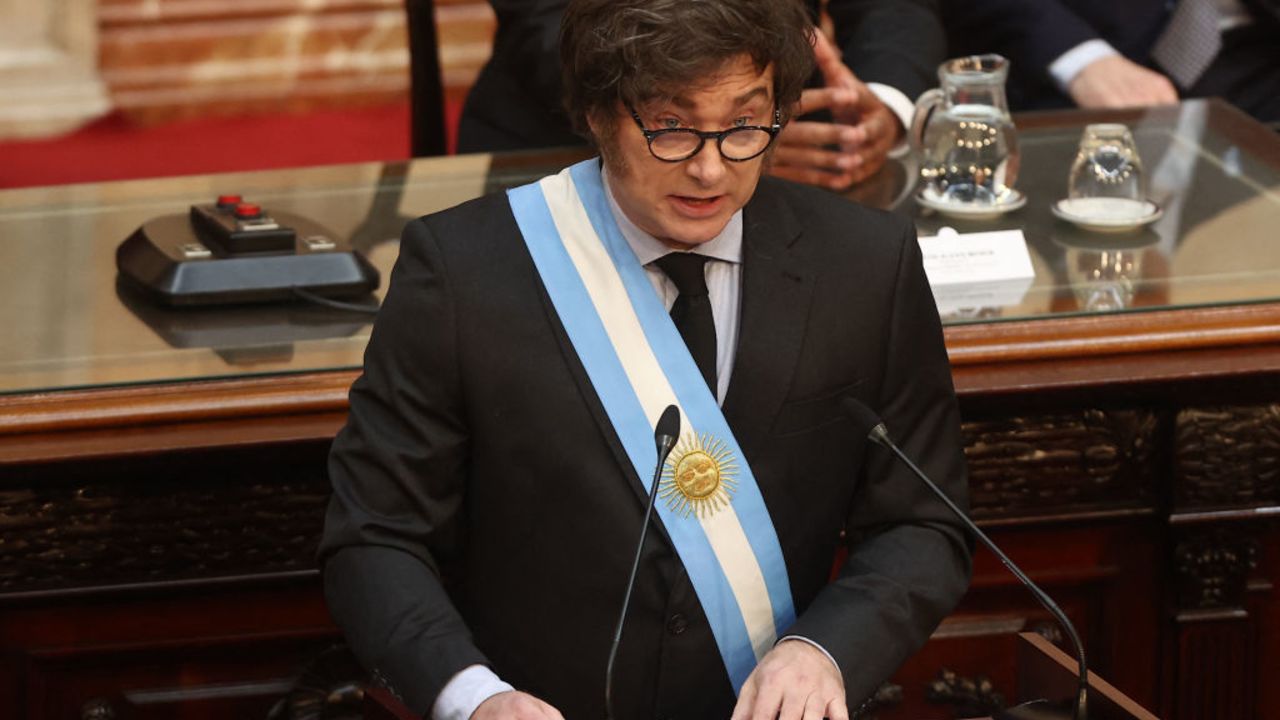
(869, 167)
(826, 98)
(811, 176)
(834, 72)
(795, 704)
(838, 709)
(816, 134)
(813, 157)
(815, 707)
(746, 699)
(768, 701)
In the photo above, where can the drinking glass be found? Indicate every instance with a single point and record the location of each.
(1103, 279)
(1107, 165)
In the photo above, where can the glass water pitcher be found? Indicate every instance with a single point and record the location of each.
(967, 143)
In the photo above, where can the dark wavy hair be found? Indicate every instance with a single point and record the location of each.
(638, 51)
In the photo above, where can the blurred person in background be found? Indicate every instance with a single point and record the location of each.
(1126, 53)
(885, 54)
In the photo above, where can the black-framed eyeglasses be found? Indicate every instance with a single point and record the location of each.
(737, 144)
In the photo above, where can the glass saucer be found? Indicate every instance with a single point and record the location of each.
(1113, 215)
(1008, 201)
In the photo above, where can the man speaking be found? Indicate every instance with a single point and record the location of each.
(491, 480)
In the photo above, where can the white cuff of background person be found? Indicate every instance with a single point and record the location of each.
(1070, 63)
(902, 107)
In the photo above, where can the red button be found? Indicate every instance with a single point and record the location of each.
(248, 210)
(226, 200)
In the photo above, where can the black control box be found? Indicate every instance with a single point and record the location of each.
(232, 252)
(238, 227)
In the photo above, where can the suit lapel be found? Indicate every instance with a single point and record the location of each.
(777, 290)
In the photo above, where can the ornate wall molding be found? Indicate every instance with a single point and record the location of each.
(1213, 569)
(158, 529)
(1227, 456)
(1087, 460)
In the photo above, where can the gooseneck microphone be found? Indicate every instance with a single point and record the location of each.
(664, 437)
(868, 422)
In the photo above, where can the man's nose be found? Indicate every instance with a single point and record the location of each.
(708, 165)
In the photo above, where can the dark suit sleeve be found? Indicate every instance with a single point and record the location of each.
(909, 560)
(397, 471)
(899, 43)
(531, 43)
(1031, 33)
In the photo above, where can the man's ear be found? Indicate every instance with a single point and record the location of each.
(597, 125)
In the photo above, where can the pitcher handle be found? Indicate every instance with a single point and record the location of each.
(925, 105)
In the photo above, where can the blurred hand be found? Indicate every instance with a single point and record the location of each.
(515, 705)
(1116, 81)
(848, 150)
(794, 681)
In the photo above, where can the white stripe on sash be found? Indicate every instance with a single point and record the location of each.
(723, 529)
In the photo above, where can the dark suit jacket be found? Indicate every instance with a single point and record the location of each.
(1034, 33)
(515, 102)
(476, 451)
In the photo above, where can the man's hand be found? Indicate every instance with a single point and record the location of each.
(794, 681)
(848, 150)
(1116, 81)
(515, 705)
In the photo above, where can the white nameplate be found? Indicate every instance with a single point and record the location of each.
(974, 272)
(954, 259)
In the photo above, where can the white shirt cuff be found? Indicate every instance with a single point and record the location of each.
(902, 106)
(821, 649)
(1070, 63)
(465, 691)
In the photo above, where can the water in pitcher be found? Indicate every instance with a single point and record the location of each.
(967, 142)
(969, 155)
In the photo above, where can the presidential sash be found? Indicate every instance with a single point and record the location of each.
(638, 364)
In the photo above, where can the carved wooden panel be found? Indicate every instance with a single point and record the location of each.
(1213, 569)
(159, 528)
(1215, 669)
(1093, 459)
(1227, 456)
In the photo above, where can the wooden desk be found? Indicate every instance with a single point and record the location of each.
(162, 475)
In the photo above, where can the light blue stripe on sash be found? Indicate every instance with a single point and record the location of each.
(578, 315)
(691, 389)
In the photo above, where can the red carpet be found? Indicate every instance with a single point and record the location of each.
(114, 149)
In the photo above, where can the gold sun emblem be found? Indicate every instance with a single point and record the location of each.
(699, 476)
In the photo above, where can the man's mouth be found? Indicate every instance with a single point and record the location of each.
(697, 205)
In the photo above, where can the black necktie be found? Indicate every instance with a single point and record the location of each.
(692, 310)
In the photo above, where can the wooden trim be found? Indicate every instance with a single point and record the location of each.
(180, 402)
(1113, 334)
(1045, 671)
(118, 422)
(1211, 516)
(1059, 517)
(1129, 371)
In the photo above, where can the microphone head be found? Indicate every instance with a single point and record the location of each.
(865, 419)
(668, 429)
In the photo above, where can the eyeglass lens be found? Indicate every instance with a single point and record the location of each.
(738, 144)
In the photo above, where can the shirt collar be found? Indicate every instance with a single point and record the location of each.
(727, 246)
